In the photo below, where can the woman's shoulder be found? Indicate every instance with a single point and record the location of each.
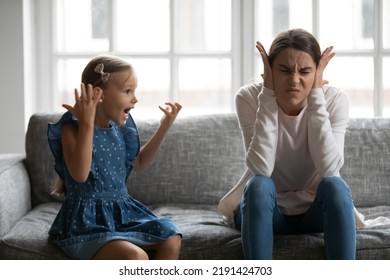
(249, 90)
(248, 93)
(334, 93)
(337, 101)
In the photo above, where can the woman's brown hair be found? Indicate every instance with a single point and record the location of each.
(298, 39)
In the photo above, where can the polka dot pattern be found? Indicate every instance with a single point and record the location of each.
(100, 209)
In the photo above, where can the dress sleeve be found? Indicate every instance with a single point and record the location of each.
(261, 145)
(54, 131)
(328, 120)
(132, 143)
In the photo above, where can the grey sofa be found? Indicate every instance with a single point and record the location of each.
(201, 159)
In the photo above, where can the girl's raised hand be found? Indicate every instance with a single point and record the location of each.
(85, 108)
(170, 113)
(327, 55)
(267, 74)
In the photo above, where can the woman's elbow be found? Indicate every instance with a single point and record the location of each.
(258, 169)
(333, 169)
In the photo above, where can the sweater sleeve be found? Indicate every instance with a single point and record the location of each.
(326, 131)
(261, 149)
(246, 107)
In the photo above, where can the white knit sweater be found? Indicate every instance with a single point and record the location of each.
(295, 151)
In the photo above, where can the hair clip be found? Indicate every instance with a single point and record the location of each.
(104, 75)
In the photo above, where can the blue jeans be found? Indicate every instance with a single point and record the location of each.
(332, 213)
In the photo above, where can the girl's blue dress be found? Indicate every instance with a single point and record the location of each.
(101, 210)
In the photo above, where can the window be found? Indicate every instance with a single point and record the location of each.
(359, 31)
(200, 52)
(181, 50)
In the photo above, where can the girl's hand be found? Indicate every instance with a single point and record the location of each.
(85, 108)
(170, 113)
(149, 151)
(327, 55)
(267, 75)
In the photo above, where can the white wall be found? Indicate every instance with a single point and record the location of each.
(15, 62)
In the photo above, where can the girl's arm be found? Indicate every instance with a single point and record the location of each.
(77, 140)
(149, 151)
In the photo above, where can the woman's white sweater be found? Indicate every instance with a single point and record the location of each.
(295, 151)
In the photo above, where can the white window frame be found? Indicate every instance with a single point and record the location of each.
(47, 57)
(243, 53)
(377, 53)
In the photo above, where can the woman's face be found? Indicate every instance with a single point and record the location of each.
(293, 75)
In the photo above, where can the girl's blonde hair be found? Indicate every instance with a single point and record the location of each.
(109, 64)
(59, 187)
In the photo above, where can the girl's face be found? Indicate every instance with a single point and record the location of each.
(118, 98)
(293, 74)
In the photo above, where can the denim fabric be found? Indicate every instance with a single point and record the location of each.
(259, 219)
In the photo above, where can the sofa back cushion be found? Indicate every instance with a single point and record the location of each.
(367, 160)
(39, 159)
(202, 158)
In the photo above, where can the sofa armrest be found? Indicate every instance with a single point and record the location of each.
(15, 193)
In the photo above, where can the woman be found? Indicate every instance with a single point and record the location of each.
(293, 128)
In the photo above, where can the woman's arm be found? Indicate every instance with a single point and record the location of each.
(327, 129)
(261, 154)
(149, 151)
(246, 108)
(327, 123)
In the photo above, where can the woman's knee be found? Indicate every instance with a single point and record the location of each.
(260, 186)
(335, 190)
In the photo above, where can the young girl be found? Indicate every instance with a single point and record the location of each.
(293, 128)
(96, 145)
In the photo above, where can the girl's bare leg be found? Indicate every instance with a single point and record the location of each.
(167, 250)
(120, 250)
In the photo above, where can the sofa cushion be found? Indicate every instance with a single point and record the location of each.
(204, 236)
(15, 193)
(367, 161)
(39, 159)
(206, 155)
(203, 153)
(201, 159)
(29, 238)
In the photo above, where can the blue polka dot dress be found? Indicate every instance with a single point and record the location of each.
(101, 210)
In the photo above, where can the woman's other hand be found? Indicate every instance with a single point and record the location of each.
(267, 74)
(327, 55)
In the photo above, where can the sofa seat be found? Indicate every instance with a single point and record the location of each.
(204, 236)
